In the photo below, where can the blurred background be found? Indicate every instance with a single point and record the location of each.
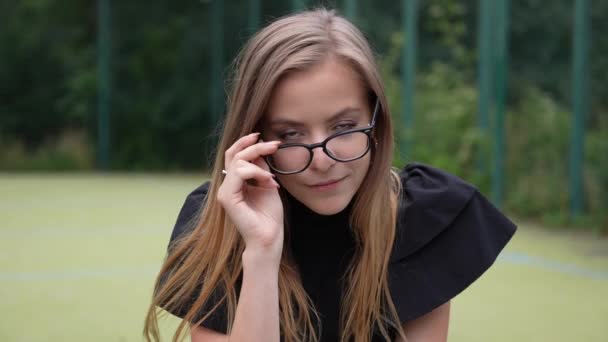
(109, 112)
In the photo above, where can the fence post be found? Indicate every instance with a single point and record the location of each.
(298, 5)
(580, 103)
(104, 82)
(217, 58)
(350, 9)
(484, 83)
(500, 71)
(254, 15)
(408, 65)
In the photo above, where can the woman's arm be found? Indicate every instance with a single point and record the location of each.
(250, 196)
(257, 312)
(432, 327)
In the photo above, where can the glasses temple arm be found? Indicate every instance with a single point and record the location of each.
(376, 107)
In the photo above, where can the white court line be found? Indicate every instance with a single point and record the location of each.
(80, 274)
(551, 265)
(151, 270)
(75, 232)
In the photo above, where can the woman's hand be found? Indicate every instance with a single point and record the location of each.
(250, 196)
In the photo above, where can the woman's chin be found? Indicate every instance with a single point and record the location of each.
(324, 206)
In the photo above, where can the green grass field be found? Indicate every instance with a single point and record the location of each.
(79, 253)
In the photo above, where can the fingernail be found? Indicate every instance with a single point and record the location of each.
(254, 134)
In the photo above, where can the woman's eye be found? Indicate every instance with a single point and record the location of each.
(290, 135)
(344, 126)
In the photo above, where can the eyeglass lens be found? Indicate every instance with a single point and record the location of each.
(342, 148)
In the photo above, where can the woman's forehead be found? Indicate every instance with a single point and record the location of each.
(319, 94)
(347, 113)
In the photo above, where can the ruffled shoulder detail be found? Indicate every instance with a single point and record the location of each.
(448, 234)
(431, 199)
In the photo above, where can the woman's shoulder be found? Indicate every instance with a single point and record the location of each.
(186, 219)
(448, 234)
(186, 222)
(433, 190)
(419, 176)
(430, 200)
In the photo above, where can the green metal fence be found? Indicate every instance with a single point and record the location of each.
(493, 56)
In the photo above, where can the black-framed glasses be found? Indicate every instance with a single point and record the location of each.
(344, 146)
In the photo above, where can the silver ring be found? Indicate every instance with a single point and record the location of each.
(224, 172)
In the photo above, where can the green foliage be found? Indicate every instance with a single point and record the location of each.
(42, 54)
(446, 122)
(596, 173)
(538, 131)
(445, 134)
(70, 151)
(161, 81)
(537, 157)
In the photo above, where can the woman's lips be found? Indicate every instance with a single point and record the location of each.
(327, 185)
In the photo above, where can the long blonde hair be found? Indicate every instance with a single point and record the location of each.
(209, 259)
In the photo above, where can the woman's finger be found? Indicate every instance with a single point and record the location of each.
(258, 178)
(253, 152)
(243, 171)
(239, 145)
(261, 162)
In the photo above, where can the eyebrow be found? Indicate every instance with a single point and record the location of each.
(344, 112)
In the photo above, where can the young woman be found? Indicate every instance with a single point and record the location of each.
(305, 232)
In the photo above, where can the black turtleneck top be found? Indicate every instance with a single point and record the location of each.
(322, 247)
(448, 234)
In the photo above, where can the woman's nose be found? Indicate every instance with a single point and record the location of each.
(321, 161)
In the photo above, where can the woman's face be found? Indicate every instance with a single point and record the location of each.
(307, 107)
